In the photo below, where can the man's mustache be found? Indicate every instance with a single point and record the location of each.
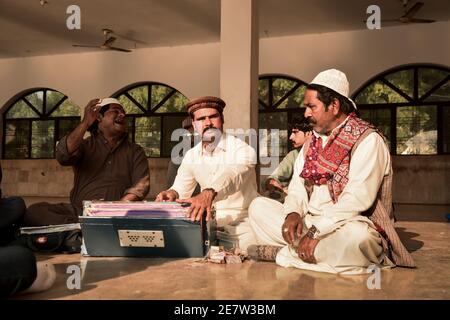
(311, 120)
(209, 128)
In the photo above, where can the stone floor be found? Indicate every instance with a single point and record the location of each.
(156, 278)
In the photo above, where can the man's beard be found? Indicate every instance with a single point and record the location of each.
(211, 137)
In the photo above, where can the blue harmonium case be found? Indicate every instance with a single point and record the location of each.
(143, 229)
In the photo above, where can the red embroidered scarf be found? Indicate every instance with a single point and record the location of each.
(329, 165)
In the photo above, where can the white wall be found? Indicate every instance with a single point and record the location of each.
(360, 54)
(193, 70)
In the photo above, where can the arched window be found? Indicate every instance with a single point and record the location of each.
(280, 99)
(411, 106)
(154, 110)
(34, 120)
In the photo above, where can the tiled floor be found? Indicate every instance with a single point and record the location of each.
(156, 278)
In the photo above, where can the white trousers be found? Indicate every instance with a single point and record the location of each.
(234, 229)
(350, 249)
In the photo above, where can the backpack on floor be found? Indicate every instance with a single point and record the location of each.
(56, 238)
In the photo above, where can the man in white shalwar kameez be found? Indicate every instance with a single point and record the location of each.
(224, 167)
(338, 177)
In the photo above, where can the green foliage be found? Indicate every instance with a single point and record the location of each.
(404, 80)
(176, 103)
(37, 100)
(264, 90)
(441, 94)
(66, 109)
(416, 124)
(413, 123)
(20, 110)
(429, 77)
(280, 87)
(42, 139)
(378, 92)
(140, 94)
(148, 135)
(16, 139)
(42, 131)
(129, 106)
(295, 100)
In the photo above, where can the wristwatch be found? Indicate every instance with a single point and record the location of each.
(312, 233)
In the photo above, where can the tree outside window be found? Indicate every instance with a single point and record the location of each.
(410, 105)
(34, 120)
(154, 110)
(280, 101)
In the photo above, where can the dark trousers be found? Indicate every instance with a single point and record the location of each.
(17, 269)
(11, 214)
(44, 214)
(17, 263)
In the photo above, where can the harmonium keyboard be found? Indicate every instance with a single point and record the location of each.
(142, 229)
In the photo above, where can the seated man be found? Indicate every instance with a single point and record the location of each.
(224, 166)
(337, 216)
(276, 184)
(106, 165)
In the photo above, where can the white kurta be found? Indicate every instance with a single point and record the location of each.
(356, 244)
(230, 171)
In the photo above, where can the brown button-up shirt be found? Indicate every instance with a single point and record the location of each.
(102, 172)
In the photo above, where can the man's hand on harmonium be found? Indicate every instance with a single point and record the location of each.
(199, 204)
(167, 196)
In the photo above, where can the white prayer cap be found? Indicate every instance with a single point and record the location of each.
(335, 80)
(106, 101)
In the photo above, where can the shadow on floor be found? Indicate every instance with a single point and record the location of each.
(408, 240)
(91, 271)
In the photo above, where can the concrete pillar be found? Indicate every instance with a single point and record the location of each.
(239, 54)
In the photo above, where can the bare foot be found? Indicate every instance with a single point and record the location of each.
(46, 276)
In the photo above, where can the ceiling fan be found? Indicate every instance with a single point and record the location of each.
(107, 44)
(408, 14)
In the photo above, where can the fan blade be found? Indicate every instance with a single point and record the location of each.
(109, 41)
(84, 46)
(131, 39)
(124, 36)
(417, 20)
(119, 49)
(413, 10)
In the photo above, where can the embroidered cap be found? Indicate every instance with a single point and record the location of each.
(335, 80)
(205, 102)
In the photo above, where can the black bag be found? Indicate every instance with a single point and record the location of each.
(67, 241)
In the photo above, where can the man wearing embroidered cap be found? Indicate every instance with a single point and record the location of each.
(338, 215)
(224, 167)
(106, 165)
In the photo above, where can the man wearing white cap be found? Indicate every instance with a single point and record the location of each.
(106, 165)
(338, 215)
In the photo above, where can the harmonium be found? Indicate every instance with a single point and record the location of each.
(142, 229)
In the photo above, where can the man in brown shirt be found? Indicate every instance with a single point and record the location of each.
(106, 165)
